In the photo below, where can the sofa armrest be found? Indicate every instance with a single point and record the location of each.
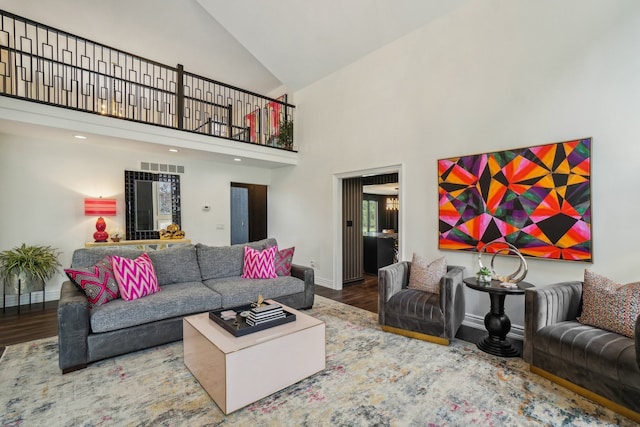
(452, 300)
(391, 279)
(306, 274)
(73, 327)
(548, 305)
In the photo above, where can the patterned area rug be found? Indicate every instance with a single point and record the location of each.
(372, 379)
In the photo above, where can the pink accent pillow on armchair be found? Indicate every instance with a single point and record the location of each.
(136, 277)
(259, 264)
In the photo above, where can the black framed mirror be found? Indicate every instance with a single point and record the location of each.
(152, 201)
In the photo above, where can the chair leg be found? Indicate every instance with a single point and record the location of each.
(417, 335)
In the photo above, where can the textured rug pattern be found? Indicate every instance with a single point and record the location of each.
(372, 379)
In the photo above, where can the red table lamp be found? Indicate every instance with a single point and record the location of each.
(106, 207)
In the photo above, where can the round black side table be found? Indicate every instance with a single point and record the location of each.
(496, 321)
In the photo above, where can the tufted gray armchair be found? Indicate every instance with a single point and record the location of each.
(600, 365)
(420, 314)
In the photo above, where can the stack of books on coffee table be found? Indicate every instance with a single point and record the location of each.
(265, 314)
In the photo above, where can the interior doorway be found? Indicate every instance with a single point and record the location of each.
(248, 212)
(369, 223)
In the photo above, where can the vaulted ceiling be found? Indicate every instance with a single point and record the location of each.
(301, 42)
(260, 45)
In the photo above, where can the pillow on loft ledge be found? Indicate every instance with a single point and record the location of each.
(609, 305)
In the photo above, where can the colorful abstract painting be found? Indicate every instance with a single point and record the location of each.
(536, 198)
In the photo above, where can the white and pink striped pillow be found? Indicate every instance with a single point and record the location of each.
(136, 277)
(259, 264)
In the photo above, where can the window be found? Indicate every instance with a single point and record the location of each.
(369, 216)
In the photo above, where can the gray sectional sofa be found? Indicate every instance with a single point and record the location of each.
(193, 279)
(601, 365)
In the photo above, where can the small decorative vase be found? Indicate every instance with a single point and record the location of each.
(483, 278)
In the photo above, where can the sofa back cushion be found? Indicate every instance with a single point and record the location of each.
(226, 261)
(87, 257)
(178, 264)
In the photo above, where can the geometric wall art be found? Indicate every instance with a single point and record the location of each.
(535, 198)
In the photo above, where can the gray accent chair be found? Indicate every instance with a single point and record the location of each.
(600, 365)
(419, 314)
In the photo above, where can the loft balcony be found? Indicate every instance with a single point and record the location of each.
(58, 70)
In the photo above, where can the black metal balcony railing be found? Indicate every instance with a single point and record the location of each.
(42, 64)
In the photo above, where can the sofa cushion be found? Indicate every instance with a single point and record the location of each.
(236, 291)
(176, 265)
(97, 282)
(283, 261)
(259, 264)
(86, 257)
(225, 261)
(136, 277)
(176, 300)
(610, 305)
(588, 349)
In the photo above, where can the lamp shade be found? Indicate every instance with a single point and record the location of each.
(98, 207)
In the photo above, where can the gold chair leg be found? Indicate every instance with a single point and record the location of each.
(417, 335)
(615, 407)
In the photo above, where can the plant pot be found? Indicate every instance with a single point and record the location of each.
(483, 278)
(28, 284)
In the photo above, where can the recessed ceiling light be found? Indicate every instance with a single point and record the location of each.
(173, 150)
(237, 159)
(80, 136)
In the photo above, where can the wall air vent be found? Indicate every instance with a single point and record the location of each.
(159, 167)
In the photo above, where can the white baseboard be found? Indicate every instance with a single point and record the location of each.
(477, 322)
(36, 297)
(324, 282)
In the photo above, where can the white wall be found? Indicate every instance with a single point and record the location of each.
(492, 75)
(43, 183)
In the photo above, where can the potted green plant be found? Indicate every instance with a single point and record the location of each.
(285, 136)
(484, 275)
(30, 265)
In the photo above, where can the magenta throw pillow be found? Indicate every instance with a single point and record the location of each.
(259, 264)
(283, 261)
(97, 282)
(136, 277)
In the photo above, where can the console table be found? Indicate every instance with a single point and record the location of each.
(496, 321)
(147, 245)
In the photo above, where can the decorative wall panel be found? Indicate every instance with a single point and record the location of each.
(536, 198)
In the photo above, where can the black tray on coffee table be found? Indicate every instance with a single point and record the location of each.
(243, 328)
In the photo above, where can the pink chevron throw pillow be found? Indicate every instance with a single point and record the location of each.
(259, 264)
(97, 282)
(136, 277)
(283, 261)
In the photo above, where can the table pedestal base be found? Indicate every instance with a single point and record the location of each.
(498, 347)
(498, 325)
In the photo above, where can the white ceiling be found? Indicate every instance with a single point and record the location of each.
(302, 41)
(257, 45)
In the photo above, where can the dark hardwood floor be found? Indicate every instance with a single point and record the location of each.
(35, 322)
(363, 294)
(32, 323)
